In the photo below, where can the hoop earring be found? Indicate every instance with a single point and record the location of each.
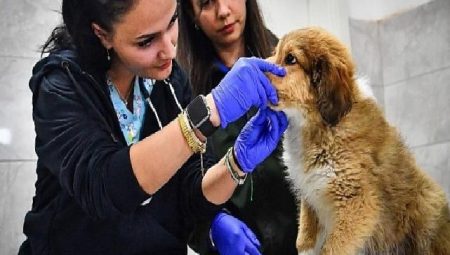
(108, 56)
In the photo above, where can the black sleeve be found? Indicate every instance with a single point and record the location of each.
(199, 239)
(193, 176)
(195, 207)
(80, 151)
(199, 213)
(194, 204)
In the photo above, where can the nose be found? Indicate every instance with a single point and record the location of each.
(168, 47)
(223, 9)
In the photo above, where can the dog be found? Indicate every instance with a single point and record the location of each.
(360, 189)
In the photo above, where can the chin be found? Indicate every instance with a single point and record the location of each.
(159, 74)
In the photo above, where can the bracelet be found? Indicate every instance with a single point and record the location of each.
(233, 158)
(239, 180)
(192, 140)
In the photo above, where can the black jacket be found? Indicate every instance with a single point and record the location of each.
(88, 200)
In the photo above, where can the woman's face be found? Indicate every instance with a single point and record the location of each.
(223, 21)
(145, 38)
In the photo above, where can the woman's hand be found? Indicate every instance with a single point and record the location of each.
(259, 137)
(244, 86)
(232, 237)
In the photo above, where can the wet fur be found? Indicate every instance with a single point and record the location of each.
(360, 188)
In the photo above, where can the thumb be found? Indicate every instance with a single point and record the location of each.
(266, 66)
(269, 89)
(274, 126)
(251, 236)
(283, 120)
(260, 117)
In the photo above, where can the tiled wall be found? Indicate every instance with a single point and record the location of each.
(407, 57)
(24, 25)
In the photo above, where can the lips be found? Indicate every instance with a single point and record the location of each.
(165, 65)
(228, 28)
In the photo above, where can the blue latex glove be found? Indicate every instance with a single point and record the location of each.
(232, 237)
(259, 138)
(244, 86)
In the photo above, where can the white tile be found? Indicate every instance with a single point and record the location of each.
(416, 42)
(191, 252)
(16, 193)
(366, 50)
(420, 107)
(16, 128)
(26, 24)
(435, 161)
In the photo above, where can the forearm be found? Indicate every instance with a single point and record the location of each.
(218, 185)
(157, 158)
(155, 161)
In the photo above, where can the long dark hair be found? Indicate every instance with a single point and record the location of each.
(76, 31)
(196, 53)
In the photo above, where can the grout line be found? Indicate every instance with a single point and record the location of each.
(20, 57)
(395, 83)
(429, 144)
(17, 160)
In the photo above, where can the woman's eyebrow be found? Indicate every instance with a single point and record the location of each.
(174, 17)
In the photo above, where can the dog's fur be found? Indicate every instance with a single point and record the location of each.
(360, 188)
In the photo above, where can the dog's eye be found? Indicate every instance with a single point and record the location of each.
(290, 59)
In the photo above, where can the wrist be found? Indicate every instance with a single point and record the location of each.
(236, 174)
(214, 117)
(235, 164)
(241, 157)
(191, 138)
(200, 135)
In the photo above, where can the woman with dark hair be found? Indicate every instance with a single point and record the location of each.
(121, 144)
(216, 33)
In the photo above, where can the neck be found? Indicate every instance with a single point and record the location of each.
(229, 54)
(122, 78)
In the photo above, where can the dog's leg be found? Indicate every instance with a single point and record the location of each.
(355, 221)
(307, 230)
(441, 241)
(432, 227)
(441, 244)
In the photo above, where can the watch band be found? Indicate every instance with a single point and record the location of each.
(207, 128)
(198, 114)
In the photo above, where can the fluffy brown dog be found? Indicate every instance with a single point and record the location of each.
(361, 190)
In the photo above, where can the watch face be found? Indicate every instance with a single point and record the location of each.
(197, 112)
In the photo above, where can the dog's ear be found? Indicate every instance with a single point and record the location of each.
(332, 83)
(318, 67)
